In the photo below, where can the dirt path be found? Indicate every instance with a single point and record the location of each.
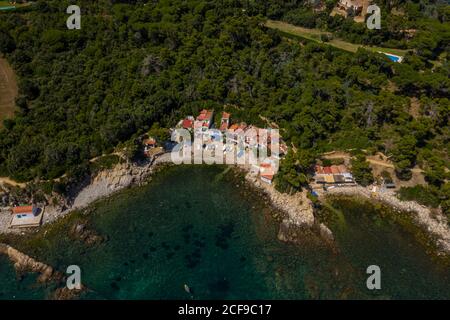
(316, 35)
(8, 91)
(6, 180)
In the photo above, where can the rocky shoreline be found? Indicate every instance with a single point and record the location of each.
(25, 264)
(298, 213)
(104, 184)
(298, 207)
(434, 222)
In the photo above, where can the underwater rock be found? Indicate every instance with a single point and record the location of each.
(24, 263)
(80, 232)
(326, 233)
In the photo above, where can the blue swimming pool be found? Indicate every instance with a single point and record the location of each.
(394, 58)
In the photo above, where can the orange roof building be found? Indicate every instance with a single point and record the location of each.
(205, 118)
(22, 209)
(335, 170)
(187, 124)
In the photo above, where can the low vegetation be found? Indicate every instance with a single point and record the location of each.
(422, 194)
(362, 172)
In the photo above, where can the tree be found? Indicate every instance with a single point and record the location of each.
(7, 43)
(361, 170)
(293, 173)
(404, 156)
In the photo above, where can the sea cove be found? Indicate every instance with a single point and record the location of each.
(205, 227)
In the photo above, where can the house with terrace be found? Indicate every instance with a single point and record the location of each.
(336, 175)
(26, 216)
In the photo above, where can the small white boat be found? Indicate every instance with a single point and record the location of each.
(187, 289)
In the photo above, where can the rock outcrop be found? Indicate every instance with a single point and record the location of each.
(326, 233)
(298, 207)
(24, 263)
(80, 231)
(65, 293)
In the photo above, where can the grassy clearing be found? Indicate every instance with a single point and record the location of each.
(8, 91)
(316, 35)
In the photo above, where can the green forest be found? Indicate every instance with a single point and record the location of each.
(137, 64)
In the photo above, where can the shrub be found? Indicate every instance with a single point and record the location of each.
(422, 194)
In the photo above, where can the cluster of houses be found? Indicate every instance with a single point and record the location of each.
(202, 126)
(203, 122)
(335, 175)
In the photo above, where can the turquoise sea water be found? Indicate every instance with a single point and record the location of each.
(201, 226)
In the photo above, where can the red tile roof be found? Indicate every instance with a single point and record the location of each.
(187, 124)
(205, 115)
(22, 209)
(335, 170)
(327, 170)
(149, 141)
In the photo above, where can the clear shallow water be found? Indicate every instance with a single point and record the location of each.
(198, 226)
(21, 288)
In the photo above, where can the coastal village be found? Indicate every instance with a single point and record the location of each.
(324, 179)
(203, 127)
(332, 174)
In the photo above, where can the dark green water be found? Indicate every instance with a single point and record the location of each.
(202, 227)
